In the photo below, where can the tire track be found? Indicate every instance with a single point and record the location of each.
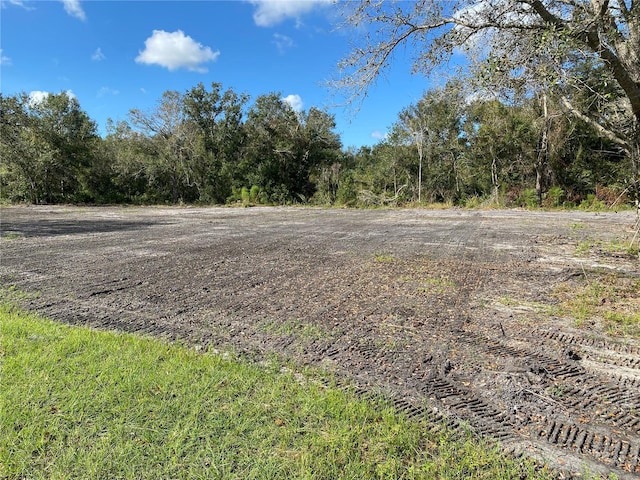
(600, 344)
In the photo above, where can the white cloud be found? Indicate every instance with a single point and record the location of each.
(271, 12)
(378, 135)
(73, 8)
(104, 91)
(98, 55)
(295, 101)
(36, 97)
(4, 60)
(17, 3)
(282, 42)
(174, 50)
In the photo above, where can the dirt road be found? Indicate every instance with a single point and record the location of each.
(449, 312)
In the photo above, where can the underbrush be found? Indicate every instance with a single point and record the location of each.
(78, 403)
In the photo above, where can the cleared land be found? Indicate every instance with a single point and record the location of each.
(500, 319)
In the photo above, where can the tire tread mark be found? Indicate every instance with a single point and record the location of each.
(566, 338)
(588, 396)
(605, 448)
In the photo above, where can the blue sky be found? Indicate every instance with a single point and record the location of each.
(118, 55)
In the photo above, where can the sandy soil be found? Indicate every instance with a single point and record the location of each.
(447, 312)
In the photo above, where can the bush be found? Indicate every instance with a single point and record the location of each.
(528, 198)
(473, 202)
(245, 196)
(347, 193)
(254, 194)
(555, 197)
(592, 203)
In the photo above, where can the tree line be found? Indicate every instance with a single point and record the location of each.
(548, 114)
(211, 146)
(201, 146)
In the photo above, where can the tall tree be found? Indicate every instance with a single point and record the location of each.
(124, 150)
(47, 145)
(174, 145)
(433, 126)
(219, 116)
(501, 146)
(285, 148)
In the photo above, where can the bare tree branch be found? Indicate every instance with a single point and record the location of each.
(602, 131)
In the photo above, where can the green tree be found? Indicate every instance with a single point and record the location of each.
(219, 116)
(432, 127)
(126, 160)
(285, 149)
(173, 147)
(47, 148)
(502, 143)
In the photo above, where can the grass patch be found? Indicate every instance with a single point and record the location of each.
(11, 236)
(12, 295)
(612, 299)
(436, 285)
(583, 248)
(82, 404)
(612, 247)
(384, 258)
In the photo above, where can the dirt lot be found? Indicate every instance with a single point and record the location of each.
(449, 312)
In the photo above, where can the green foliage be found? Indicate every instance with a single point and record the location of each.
(244, 195)
(254, 194)
(528, 198)
(206, 146)
(555, 197)
(347, 193)
(384, 258)
(583, 247)
(473, 202)
(592, 203)
(47, 147)
(620, 247)
(90, 404)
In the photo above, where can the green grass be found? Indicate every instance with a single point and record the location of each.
(82, 404)
(384, 258)
(614, 247)
(11, 236)
(611, 299)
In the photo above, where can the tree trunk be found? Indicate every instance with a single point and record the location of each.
(494, 179)
(635, 178)
(420, 171)
(543, 152)
(634, 156)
